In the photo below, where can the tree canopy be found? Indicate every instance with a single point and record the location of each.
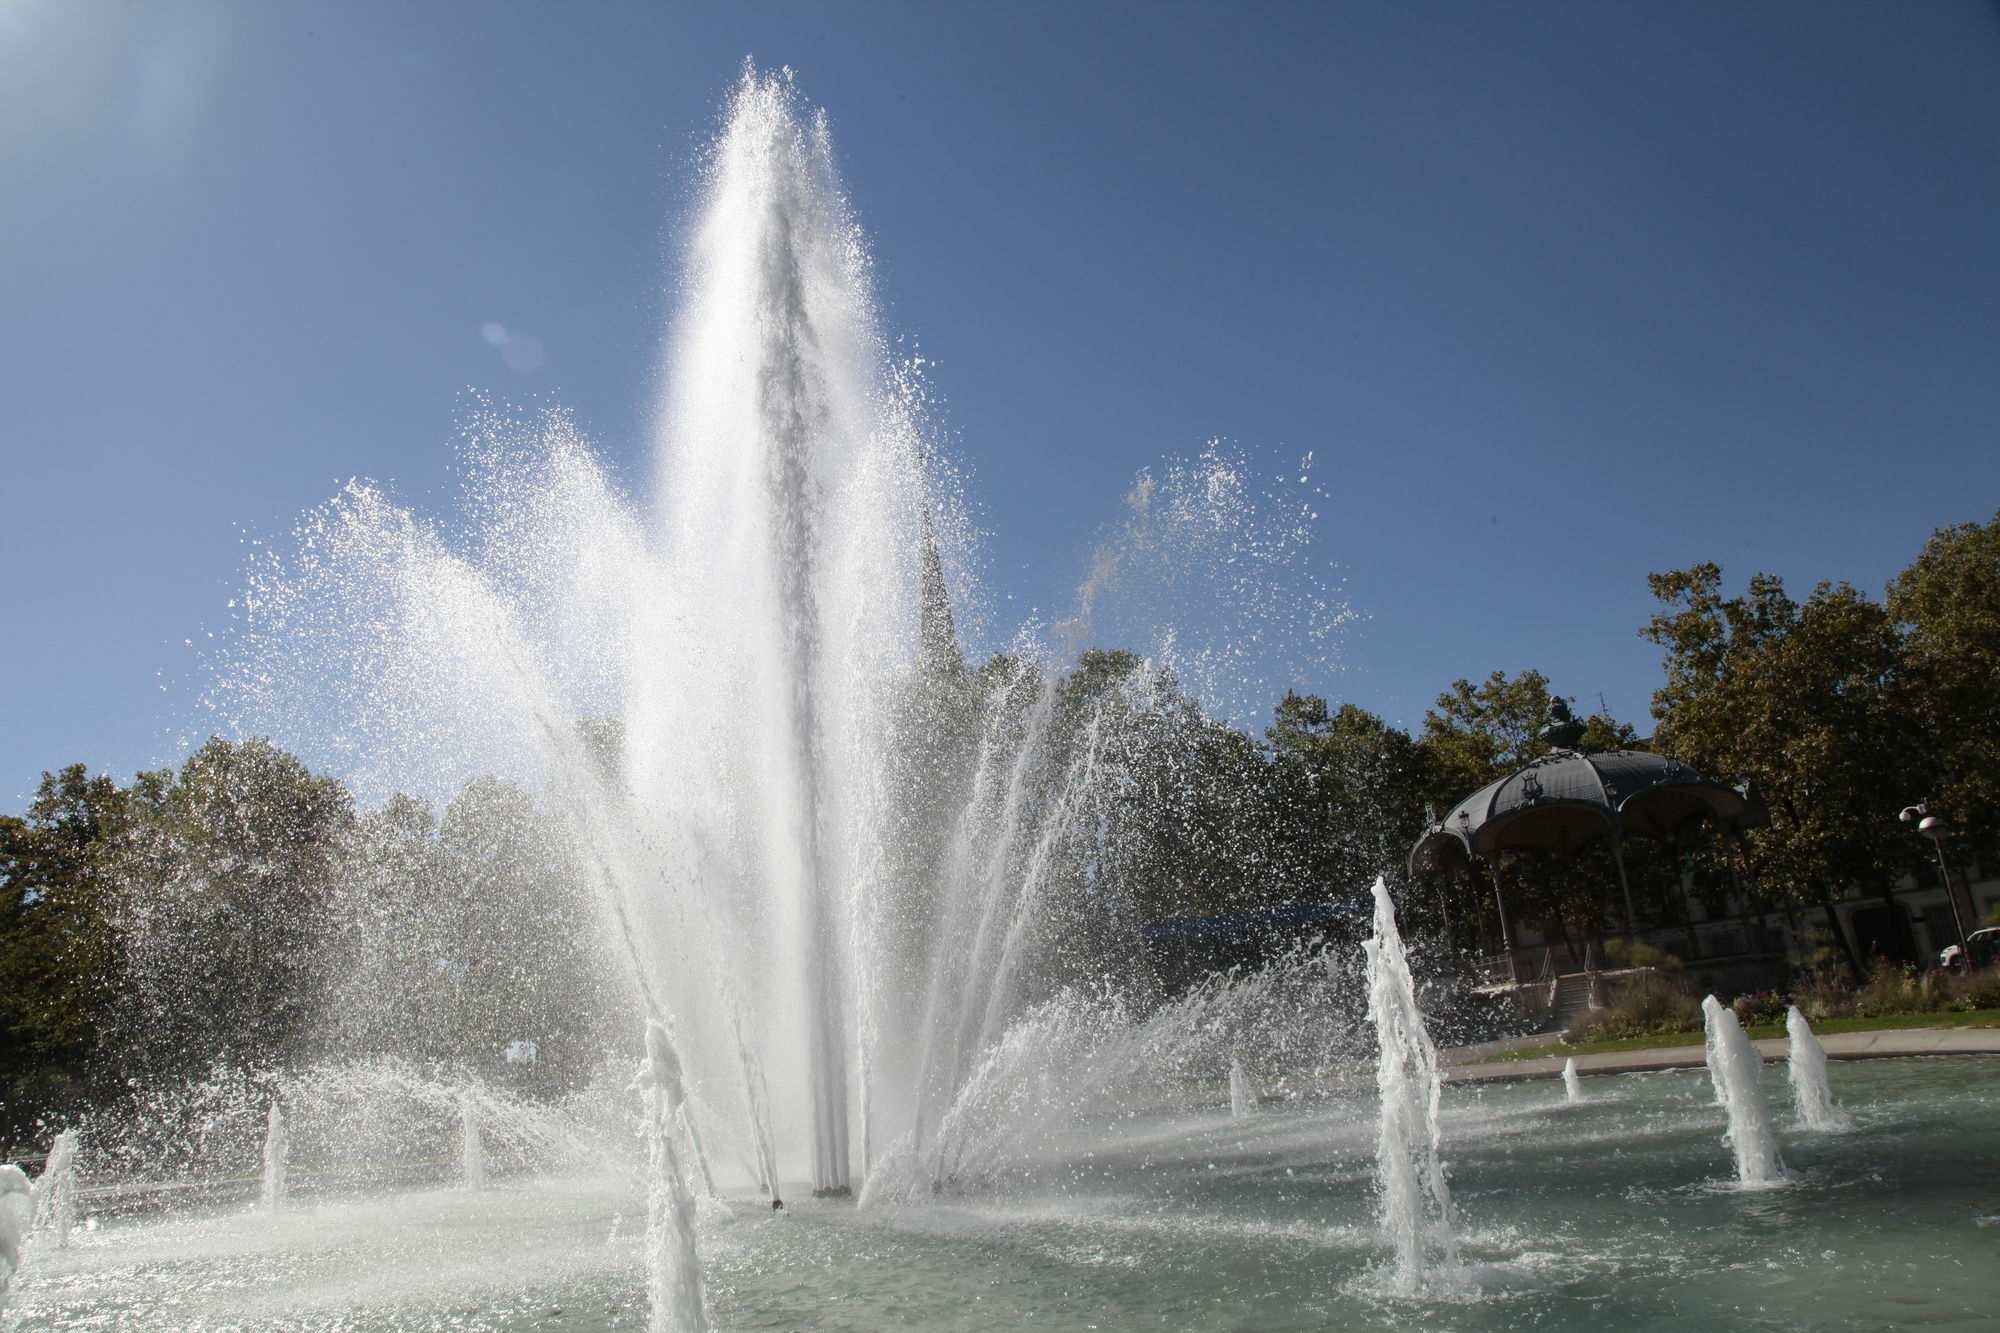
(239, 909)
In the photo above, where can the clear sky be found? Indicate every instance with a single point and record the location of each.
(1558, 293)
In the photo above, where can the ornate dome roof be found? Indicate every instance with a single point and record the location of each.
(1573, 796)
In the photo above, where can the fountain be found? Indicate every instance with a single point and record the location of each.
(1242, 1092)
(1751, 1136)
(55, 1189)
(16, 1215)
(471, 1147)
(674, 1280)
(1711, 1051)
(1572, 1085)
(1416, 1201)
(899, 1068)
(277, 1159)
(1806, 1066)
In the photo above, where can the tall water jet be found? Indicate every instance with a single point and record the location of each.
(55, 1189)
(757, 708)
(1711, 1051)
(1806, 1067)
(277, 1158)
(471, 1148)
(1751, 1136)
(1572, 1085)
(1242, 1092)
(1416, 1204)
(674, 1279)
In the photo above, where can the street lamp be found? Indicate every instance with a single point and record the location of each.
(1934, 828)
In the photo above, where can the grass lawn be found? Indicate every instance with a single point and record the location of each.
(1974, 1018)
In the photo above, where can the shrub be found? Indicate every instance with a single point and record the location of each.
(1893, 989)
(1900, 989)
(1820, 997)
(1974, 990)
(1760, 1007)
(1638, 953)
(1648, 1006)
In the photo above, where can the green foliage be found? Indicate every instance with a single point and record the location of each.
(463, 934)
(1638, 953)
(58, 953)
(1178, 803)
(1648, 1006)
(1899, 989)
(224, 872)
(1476, 734)
(1948, 602)
(1891, 989)
(1760, 1007)
(237, 912)
(1818, 957)
(1805, 699)
(1823, 995)
(1347, 793)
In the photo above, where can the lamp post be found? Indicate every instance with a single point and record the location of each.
(1934, 828)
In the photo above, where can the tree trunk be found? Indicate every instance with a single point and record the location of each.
(1840, 937)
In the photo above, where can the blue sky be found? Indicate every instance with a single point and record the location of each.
(1558, 294)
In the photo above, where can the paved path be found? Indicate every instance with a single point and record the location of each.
(1839, 1046)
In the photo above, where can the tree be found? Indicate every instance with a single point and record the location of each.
(1804, 699)
(1948, 603)
(58, 956)
(383, 997)
(1476, 734)
(224, 874)
(466, 934)
(517, 950)
(1180, 803)
(1349, 792)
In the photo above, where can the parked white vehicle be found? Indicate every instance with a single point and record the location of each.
(1982, 947)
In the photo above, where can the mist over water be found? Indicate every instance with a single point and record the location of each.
(841, 856)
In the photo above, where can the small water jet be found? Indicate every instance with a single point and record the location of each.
(277, 1158)
(17, 1205)
(1806, 1067)
(55, 1189)
(471, 1147)
(1751, 1136)
(1572, 1085)
(1416, 1208)
(673, 1262)
(1711, 1054)
(1242, 1092)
